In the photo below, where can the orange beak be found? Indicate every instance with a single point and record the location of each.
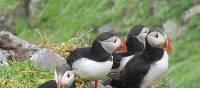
(123, 48)
(58, 84)
(169, 46)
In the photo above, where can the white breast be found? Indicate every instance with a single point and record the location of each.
(156, 70)
(123, 62)
(92, 70)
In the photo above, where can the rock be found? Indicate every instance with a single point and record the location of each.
(35, 6)
(6, 22)
(9, 54)
(191, 12)
(182, 31)
(111, 28)
(3, 60)
(14, 47)
(21, 8)
(10, 42)
(105, 28)
(47, 58)
(173, 29)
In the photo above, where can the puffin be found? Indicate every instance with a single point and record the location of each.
(64, 78)
(135, 43)
(95, 62)
(148, 65)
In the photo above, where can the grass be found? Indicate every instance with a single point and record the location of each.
(23, 75)
(59, 21)
(185, 58)
(186, 73)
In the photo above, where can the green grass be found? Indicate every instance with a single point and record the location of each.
(61, 20)
(4, 4)
(185, 57)
(186, 73)
(23, 75)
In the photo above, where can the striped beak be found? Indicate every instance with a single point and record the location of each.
(123, 48)
(169, 46)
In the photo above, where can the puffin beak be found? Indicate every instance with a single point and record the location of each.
(123, 47)
(58, 84)
(169, 46)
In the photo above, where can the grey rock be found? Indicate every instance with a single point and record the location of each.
(9, 40)
(110, 28)
(35, 6)
(174, 30)
(21, 8)
(105, 28)
(6, 22)
(14, 47)
(191, 12)
(171, 27)
(47, 58)
(3, 60)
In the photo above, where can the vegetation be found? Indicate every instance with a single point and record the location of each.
(60, 20)
(23, 75)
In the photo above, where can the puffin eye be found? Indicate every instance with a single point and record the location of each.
(115, 41)
(68, 75)
(156, 35)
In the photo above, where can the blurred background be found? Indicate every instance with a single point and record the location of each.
(57, 21)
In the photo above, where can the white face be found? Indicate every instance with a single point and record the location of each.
(67, 79)
(156, 39)
(142, 36)
(111, 44)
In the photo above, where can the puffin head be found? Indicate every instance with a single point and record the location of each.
(137, 33)
(158, 39)
(64, 76)
(109, 42)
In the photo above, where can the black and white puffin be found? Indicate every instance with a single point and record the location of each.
(148, 65)
(95, 62)
(64, 78)
(135, 43)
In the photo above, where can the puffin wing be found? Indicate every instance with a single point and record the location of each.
(134, 70)
(77, 54)
(116, 60)
(74, 55)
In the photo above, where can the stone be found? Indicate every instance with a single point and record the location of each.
(47, 59)
(174, 30)
(20, 8)
(191, 12)
(105, 28)
(9, 41)
(171, 27)
(14, 47)
(3, 60)
(6, 21)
